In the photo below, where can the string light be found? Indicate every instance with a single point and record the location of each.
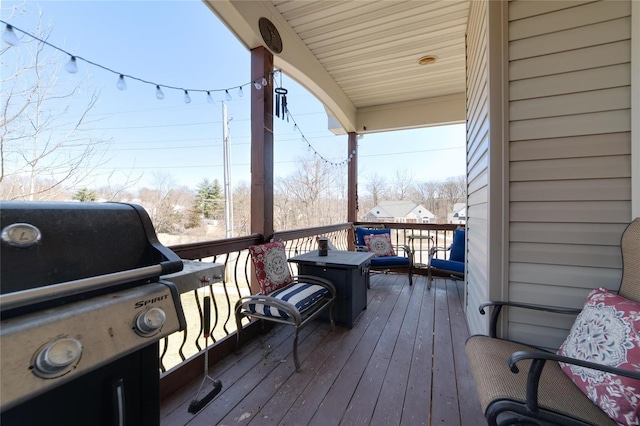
(121, 85)
(281, 108)
(312, 149)
(71, 66)
(9, 36)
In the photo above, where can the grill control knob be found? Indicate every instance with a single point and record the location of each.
(56, 358)
(150, 321)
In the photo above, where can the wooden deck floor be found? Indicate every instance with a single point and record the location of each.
(402, 363)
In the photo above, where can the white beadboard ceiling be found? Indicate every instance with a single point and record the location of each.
(359, 57)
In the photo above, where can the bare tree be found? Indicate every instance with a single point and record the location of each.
(401, 184)
(166, 203)
(306, 197)
(452, 191)
(426, 193)
(119, 185)
(377, 188)
(241, 209)
(45, 149)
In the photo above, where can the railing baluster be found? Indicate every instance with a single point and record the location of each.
(226, 295)
(201, 330)
(165, 346)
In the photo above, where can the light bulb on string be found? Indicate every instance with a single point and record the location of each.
(121, 85)
(295, 127)
(209, 98)
(9, 36)
(240, 92)
(71, 66)
(257, 85)
(264, 81)
(187, 98)
(227, 95)
(159, 94)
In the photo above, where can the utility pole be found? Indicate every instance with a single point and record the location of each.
(228, 198)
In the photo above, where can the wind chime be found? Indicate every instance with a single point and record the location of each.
(281, 101)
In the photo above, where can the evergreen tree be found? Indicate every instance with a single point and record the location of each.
(85, 195)
(209, 201)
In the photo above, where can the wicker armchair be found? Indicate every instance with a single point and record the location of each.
(546, 394)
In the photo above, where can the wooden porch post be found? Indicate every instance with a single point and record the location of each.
(261, 148)
(262, 144)
(352, 184)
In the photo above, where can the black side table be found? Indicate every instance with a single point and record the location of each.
(348, 271)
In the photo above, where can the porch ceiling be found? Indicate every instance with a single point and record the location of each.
(360, 58)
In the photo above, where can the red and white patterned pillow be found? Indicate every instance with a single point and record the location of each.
(607, 331)
(379, 244)
(272, 269)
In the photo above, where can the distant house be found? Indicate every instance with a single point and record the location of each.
(459, 214)
(399, 212)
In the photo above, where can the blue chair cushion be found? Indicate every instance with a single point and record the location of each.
(457, 247)
(448, 265)
(389, 261)
(301, 295)
(361, 232)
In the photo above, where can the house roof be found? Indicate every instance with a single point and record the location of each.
(400, 208)
(460, 207)
(360, 58)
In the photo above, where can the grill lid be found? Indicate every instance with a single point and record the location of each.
(50, 243)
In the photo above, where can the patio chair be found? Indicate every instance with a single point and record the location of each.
(377, 239)
(452, 267)
(593, 379)
(283, 298)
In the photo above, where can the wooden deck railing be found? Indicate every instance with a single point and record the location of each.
(182, 352)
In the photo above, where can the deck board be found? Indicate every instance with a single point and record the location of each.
(415, 411)
(393, 392)
(444, 409)
(403, 362)
(336, 401)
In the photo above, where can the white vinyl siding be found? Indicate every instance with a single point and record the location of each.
(569, 156)
(477, 165)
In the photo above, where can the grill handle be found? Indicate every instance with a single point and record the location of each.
(18, 299)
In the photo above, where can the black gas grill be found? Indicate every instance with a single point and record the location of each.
(82, 308)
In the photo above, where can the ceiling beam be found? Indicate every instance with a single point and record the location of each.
(426, 112)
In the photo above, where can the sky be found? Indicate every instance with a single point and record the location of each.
(183, 44)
